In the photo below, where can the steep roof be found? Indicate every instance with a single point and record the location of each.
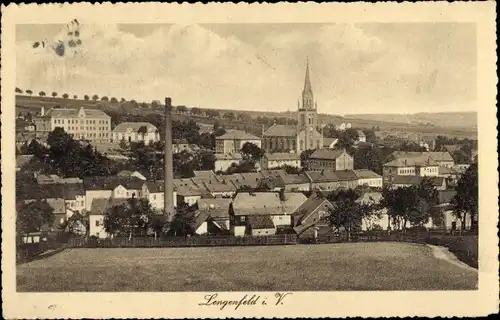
(207, 174)
(237, 135)
(100, 205)
(366, 174)
(281, 130)
(282, 156)
(216, 208)
(329, 154)
(134, 127)
(322, 176)
(311, 204)
(346, 175)
(266, 203)
(156, 186)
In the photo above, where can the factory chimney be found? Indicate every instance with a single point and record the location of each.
(168, 191)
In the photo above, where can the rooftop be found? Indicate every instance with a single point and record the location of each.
(281, 130)
(329, 154)
(366, 174)
(267, 203)
(135, 127)
(282, 156)
(237, 135)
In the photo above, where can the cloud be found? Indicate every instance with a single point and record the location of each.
(350, 68)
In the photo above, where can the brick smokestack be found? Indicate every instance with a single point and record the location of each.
(168, 190)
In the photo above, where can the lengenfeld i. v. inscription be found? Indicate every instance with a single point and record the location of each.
(214, 300)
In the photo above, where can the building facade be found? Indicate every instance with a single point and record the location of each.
(280, 159)
(328, 159)
(82, 124)
(304, 136)
(233, 140)
(135, 132)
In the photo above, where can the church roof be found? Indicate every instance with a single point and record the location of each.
(281, 130)
(307, 82)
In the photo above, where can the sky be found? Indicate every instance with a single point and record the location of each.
(355, 68)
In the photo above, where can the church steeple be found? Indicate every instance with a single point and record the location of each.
(307, 94)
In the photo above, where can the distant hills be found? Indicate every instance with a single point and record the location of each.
(440, 119)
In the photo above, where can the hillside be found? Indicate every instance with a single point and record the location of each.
(440, 119)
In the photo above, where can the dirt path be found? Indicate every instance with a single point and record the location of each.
(444, 254)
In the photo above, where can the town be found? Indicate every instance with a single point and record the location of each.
(83, 173)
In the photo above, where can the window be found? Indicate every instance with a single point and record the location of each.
(154, 197)
(97, 223)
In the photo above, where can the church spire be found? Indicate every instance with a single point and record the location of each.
(307, 82)
(307, 94)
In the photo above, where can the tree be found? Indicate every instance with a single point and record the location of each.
(182, 222)
(86, 97)
(403, 205)
(123, 144)
(466, 199)
(409, 146)
(251, 150)
(195, 110)
(131, 217)
(18, 90)
(54, 94)
(75, 96)
(155, 104)
(122, 99)
(104, 98)
(369, 157)
(229, 115)
(41, 94)
(113, 100)
(212, 113)
(32, 216)
(65, 96)
(181, 109)
(29, 92)
(347, 212)
(95, 97)
(304, 157)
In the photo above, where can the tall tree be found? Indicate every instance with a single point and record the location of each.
(29, 92)
(304, 157)
(41, 94)
(195, 110)
(86, 97)
(466, 199)
(252, 151)
(18, 90)
(95, 97)
(75, 96)
(65, 96)
(32, 216)
(402, 205)
(54, 94)
(181, 109)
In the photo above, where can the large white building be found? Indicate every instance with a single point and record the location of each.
(135, 132)
(233, 140)
(84, 124)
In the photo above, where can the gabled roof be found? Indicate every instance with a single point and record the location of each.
(366, 174)
(156, 186)
(213, 185)
(237, 135)
(51, 191)
(346, 175)
(282, 156)
(216, 208)
(73, 113)
(329, 154)
(322, 176)
(58, 205)
(207, 174)
(294, 178)
(186, 187)
(134, 127)
(436, 156)
(100, 205)
(111, 182)
(267, 203)
(421, 161)
(281, 130)
(234, 156)
(311, 204)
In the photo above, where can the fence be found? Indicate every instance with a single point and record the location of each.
(202, 241)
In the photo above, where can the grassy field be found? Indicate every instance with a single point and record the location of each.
(356, 266)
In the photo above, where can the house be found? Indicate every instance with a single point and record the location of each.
(135, 132)
(252, 213)
(410, 166)
(312, 216)
(442, 159)
(443, 217)
(330, 143)
(129, 174)
(378, 220)
(219, 189)
(280, 159)
(189, 192)
(406, 181)
(23, 125)
(361, 136)
(111, 187)
(246, 179)
(60, 213)
(89, 124)
(154, 192)
(212, 216)
(98, 209)
(368, 178)
(233, 140)
(326, 180)
(328, 159)
(225, 161)
(296, 182)
(179, 145)
(72, 195)
(25, 138)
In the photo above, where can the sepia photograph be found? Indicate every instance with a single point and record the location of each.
(273, 157)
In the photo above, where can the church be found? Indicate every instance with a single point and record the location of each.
(305, 135)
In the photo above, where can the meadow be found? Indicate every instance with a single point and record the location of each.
(326, 267)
